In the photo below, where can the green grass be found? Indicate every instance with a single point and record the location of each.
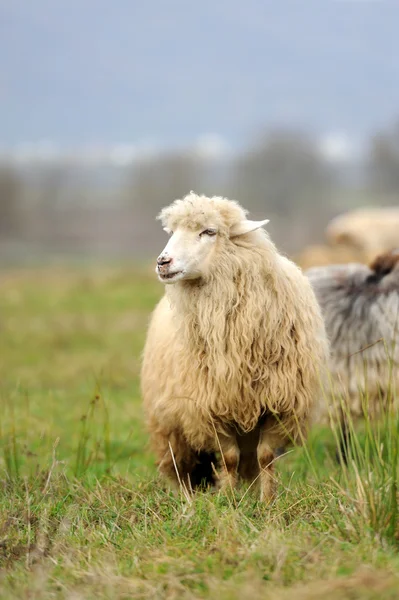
(83, 513)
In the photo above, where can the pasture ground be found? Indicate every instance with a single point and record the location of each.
(82, 511)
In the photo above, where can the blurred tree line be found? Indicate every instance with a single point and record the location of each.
(283, 176)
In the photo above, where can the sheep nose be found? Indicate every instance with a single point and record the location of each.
(163, 260)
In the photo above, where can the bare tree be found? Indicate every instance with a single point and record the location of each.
(11, 200)
(160, 180)
(383, 161)
(285, 176)
(283, 171)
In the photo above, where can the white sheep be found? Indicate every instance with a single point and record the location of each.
(235, 348)
(368, 230)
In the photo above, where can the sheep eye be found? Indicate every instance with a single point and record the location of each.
(209, 232)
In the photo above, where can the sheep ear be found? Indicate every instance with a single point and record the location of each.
(246, 227)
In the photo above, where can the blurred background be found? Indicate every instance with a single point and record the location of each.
(109, 111)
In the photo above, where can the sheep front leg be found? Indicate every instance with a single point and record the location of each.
(230, 459)
(269, 441)
(167, 448)
(177, 458)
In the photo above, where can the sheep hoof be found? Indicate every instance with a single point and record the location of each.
(226, 483)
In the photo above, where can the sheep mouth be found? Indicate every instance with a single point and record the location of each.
(169, 276)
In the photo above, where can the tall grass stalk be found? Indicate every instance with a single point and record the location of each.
(363, 494)
(9, 446)
(91, 446)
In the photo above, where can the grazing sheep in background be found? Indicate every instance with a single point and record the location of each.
(360, 305)
(319, 255)
(368, 230)
(234, 349)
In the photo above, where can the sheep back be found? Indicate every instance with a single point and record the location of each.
(360, 306)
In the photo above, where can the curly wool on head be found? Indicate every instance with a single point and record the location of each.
(360, 306)
(242, 341)
(198, 212)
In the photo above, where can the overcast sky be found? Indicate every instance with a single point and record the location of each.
(147, 71)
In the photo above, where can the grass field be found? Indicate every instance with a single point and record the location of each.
(82, 511)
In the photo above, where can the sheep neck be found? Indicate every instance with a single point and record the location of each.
(226, 309)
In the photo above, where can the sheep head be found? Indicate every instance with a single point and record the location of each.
(198, 226)
(383, 264)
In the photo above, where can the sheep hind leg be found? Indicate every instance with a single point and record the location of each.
(269, 441)
(230, 458)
